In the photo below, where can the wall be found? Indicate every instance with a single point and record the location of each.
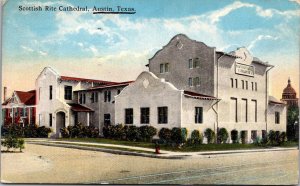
(149, 91)
(271, 117)
(179, 64)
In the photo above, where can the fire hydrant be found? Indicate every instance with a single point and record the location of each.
(157, 149)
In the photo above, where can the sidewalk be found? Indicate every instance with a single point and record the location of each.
(148, 152)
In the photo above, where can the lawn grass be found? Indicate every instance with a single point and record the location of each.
(185, 148)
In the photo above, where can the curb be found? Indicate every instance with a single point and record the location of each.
(112, 151)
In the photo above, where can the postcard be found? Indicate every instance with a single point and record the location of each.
(150, 92)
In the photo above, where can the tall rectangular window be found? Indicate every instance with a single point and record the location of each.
(253, 134)
(252, 86)
(24, 111)
(236, 83)
(40, 89)
(277, 117)
(107, 96)
(129, 116)
(243, 84)
(234, 109)
(255, 86)
(96, 96)
(254, 103)
(162, 114)
(198, 114)
(50, 120)
(145, 113)
(68, 92)
(161, 68)
(80, 98)
(50, 92)
(190, 82)
(245, 109)
(167, 67)
(231, 81)
(106, 119)
(84, 99)
(246, 85)
(196, 63)
(190, 63)
(196, 81)
(93, 97)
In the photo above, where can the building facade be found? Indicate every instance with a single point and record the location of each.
(20, 108)
(238, 80)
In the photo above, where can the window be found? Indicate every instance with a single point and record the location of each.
(236, 83)
(245, 109)
(277, 117)
(263, 133)
(254, 103)
(196, 63)
(190, 82)
(167, 67)
(40, 93)
(50, 120)
(196, 81)
(145, 112)
(106, 119)
(162, 114)
(83, 99)
(243, 86)
(198, 114)
(246, 85)
(231, 80)
(129, 116)
(50, 92)
(107, 96)
(164, 67)
(68, 92)
(161, 68)
(252, 86)
(80, 98)
(233, 108)
(96, 96)
(255, 86)
(253, 134)
(190, 63)
(92, 97)
(119, 92)
(16, 111)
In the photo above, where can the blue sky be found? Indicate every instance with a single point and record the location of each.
(71, 43)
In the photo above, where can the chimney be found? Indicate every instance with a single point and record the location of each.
(4, 93)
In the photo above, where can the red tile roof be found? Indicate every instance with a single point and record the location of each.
(79, 108)
(109, 85)
(67, 78)
(27, 98)
(197, 95)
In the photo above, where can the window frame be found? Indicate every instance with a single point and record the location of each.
(50, 92)
(68, 92)
(50, 120)
(162, 115)
(128, 116)
(277, 117)
(145, 115)
(198, 115)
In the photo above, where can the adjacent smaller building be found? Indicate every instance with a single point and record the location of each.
(20, 108)
(289, 95)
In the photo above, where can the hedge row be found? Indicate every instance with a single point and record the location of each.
(79, 131)
(29, 131)
(130, 133)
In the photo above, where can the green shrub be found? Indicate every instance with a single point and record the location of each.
(165, 135)
(243, 136)
(282, 138)
(147, 132)
(64, 132)
(223, 135)
(272, 137)
(10, 142)
(196, 137)
(178, 135)
(133, 133)
(20, 144)
(42, 132)
(234, 136)
(210, 135)
(28, 131)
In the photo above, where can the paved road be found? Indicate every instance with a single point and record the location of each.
(44, 164)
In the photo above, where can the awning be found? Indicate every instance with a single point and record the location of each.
(79, 108)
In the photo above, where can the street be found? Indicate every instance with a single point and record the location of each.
(44, 164)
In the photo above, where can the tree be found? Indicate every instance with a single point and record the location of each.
(210, 135)
(292, 117)
(223, 135)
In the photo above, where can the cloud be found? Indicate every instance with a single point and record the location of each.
(260, 38)
(27, 48)
(42, 53)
